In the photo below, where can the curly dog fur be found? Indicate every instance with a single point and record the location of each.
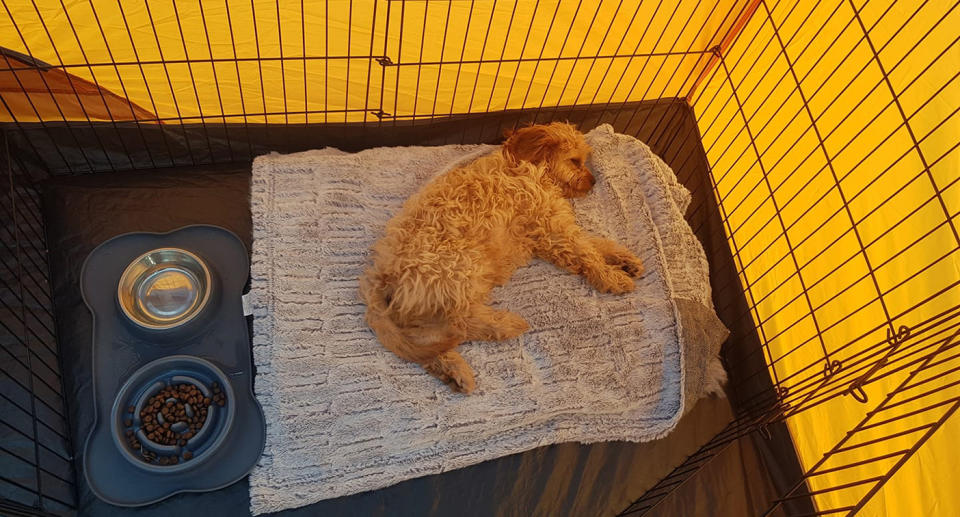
(467, 231)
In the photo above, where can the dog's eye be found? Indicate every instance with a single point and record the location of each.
(576, 161)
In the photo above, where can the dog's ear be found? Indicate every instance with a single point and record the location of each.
(533, 144)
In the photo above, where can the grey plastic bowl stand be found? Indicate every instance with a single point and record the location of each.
(120, 348)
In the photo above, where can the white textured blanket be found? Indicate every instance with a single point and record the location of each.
(344, 415)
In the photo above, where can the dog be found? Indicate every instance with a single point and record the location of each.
(467, 231)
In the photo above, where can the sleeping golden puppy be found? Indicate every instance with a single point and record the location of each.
(467, 231)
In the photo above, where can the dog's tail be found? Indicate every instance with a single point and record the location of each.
(422, 344)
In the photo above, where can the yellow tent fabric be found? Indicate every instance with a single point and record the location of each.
(289, 61)
(831, 250)
(806, 207)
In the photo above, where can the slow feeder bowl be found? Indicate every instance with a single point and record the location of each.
(199, 389)
(167, 312)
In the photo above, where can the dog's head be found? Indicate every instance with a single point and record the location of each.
(560, 149)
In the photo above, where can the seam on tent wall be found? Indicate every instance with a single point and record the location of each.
(733, 34)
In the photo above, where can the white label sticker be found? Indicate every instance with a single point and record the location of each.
(247, 304)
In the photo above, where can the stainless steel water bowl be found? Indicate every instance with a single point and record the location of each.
(164, 288)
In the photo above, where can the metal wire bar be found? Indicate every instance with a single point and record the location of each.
(36, 466)
(683, 473)
(366, 91)
(861, 358)
(200, 61)
(23, 316)
(243, 105)
(103, 99)
(823, 346)
(875, 179)
(346, 87)
(666, 83)
(216, 79)
(644, 67)
(27, 389)
(810, 365)
(56, 453)
(193, 81)
(28, 332)
(840, 385)
(166, 72)
(829, 134)
(731, 36)
(513, 78)
(383, 70)
(33, 107)
(303, 52)
(906, 122)
(396, 87)
(741, 273)
(259, 60)
(374, 57)
(443, 49)
(423, 39)
(856, 281)
(803, 387)
(496, 75)
(593, 61)
(844, 233)
(833, 173)
(41, 497)
(866, 423)
(283, 74)
(563, 46)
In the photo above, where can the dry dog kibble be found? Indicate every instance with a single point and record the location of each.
(173, 416)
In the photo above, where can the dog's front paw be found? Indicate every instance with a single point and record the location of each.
(614, 281)
(627, 262)
(632, 266)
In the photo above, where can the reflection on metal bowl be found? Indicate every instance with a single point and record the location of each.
(164, 288)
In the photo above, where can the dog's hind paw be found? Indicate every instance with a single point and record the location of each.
(511, 326)
(462, 382)
(450, 368)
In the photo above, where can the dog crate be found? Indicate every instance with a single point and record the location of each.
(829, 214)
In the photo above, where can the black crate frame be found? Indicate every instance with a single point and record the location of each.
(763, 400)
